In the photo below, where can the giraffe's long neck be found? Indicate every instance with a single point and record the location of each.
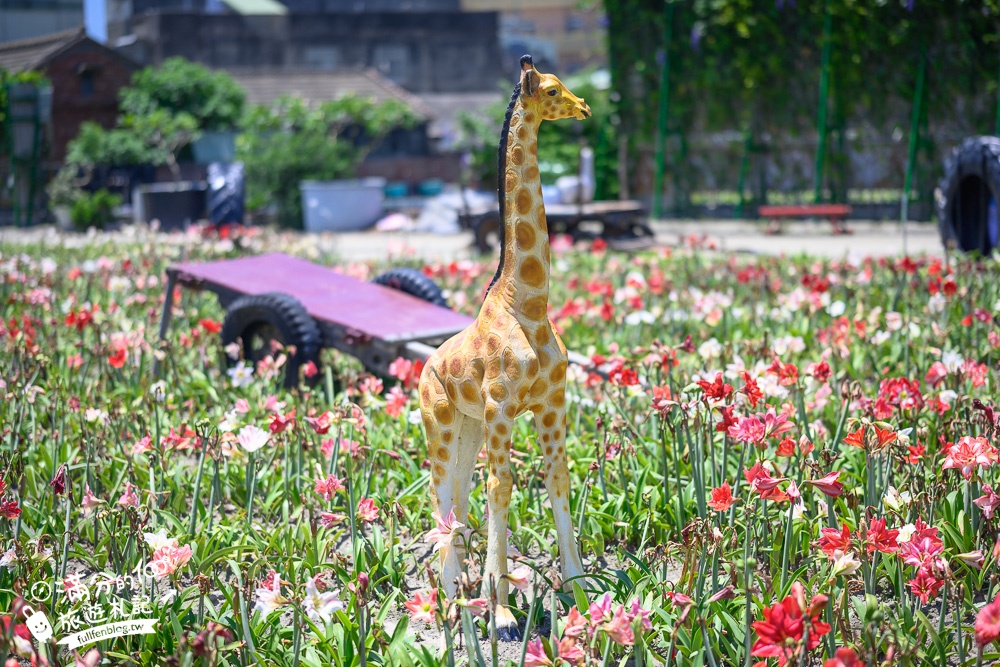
(523, 275)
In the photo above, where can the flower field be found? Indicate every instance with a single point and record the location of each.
(782, 461)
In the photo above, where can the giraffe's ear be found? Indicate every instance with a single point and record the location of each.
(530, 81)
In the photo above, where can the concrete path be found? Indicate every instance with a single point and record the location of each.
(868, 238)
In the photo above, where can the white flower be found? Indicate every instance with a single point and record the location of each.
(786, 344)
(159, 539)
(639, 317)
(948, 396)
(836, 309)
(845, 563)
(233, 351)
(158, 390)
(414, 417)
(905, 533)
(229, 422)
(893, 321)
(9, 559)
(93, 414)
(896, 500)
(241, 375)
(320, 605)
(952, 360)
(881, 337)
(710, 349)
(270, 599)
(936, 303)
(252, 437)
(799, 510)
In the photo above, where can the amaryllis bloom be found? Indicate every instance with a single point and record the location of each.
(775, 424)
(395, 402)
(751, 390)
(144, 445)
(829, 485)
(760, 480)
(925, 585)
(400, 368)
(330, 519)
(320, 606)
(269, 597)
(748, 429)
(600, 610)
(884, 437)
(920, 552)
(252, 438)
(322, 423)
(680, 600)
(211, 326)
(89, 501)
(966, 454)
(535, 655)
(879, 538)
(91, 659)
(844, 657)
(58, 482)
(118, 356)
(422, 606)
(168, 559)
(988, 502)
(9, 509)
(328, 487)
(636, 611)
(281, 422)
(442, 535)
(475, 606)
(158, 539)
(722, 498)
(856, 439)
(520, 578)
(716, 390)
(844, 564)
(988, 622)
(832, 540)
(367, 510)
(129, 498)
(309, 369)
(780, 635)
(619, 628)
(936, 373)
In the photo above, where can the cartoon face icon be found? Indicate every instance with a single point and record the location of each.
(38, 624)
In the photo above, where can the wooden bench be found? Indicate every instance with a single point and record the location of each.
(835, 213)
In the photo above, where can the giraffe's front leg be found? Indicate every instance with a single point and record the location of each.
(550, 421)
(497, 433)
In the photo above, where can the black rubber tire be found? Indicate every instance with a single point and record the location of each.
(971, 179)
(274, 316)
(487, 232)
(414, 283)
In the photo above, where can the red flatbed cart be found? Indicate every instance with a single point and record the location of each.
(402, 313)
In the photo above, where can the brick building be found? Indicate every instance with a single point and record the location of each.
(85, 76)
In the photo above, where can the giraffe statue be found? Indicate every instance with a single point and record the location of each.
(508, 361)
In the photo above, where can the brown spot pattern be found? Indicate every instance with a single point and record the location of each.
(533, 273)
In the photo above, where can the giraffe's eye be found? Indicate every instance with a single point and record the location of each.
(553, 92)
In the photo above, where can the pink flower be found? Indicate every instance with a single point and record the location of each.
(90, 501)
(925, 585)
(619, 628)
(401, 368)
(829, 485)
(322, 423)
(129, 498)
(638, 612)
(476, 606)
(395, 402)
(329, 486)
(760, 480)
(442, 535)
(281, 422)
(535, 655)
(775, 425)
(242, 406)
(575, 623)
(168, 559)
(988, 622)
(600, 610)
(748, 429)
(988, 502)
(520, 578)
(367, 510)
(330, 519)
(422, 606)
(968, 453)
(144, 445)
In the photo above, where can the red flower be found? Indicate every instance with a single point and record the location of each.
(879, 538)
(786, 447)
(717, 390)
(322, 423)
(821, 371)
(752, 391)
(9, 509)
(780, 634)
(280, 422)
(829, 484)
(117, 358)
(760, 480)
(727, 421)
(832, 540)
(925, 586)
(856, 439)
(722, 498)
(211, 326)
(845, 657)
(58, 482)
(936, 373)
(788, 374)
(623, 377)
(968, 453)
(988, 622)
(885, 437)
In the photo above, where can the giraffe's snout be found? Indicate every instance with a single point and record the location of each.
(582, 110)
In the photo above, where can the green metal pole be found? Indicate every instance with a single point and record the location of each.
(824, 87)
(996, 126)
(911, 157)
(668, 24)
(744, 168)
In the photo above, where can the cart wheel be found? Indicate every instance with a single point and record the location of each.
(414, 283)
(256, 320)
(488, 232)
(967, 196)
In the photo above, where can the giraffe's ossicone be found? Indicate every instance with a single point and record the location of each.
(509, 361)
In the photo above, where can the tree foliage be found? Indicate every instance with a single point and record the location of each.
(289, 142)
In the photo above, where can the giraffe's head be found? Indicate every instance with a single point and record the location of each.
(547, 95)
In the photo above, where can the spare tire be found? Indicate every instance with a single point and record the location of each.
(414, 283)
(968, 194)
(256, 320)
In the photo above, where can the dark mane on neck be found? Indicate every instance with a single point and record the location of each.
(502, 179)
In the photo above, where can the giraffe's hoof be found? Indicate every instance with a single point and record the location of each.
(508, 633)
(506, 625)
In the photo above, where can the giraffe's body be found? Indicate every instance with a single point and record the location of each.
(507, 362)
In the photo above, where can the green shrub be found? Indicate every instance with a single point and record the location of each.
(94, 209)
